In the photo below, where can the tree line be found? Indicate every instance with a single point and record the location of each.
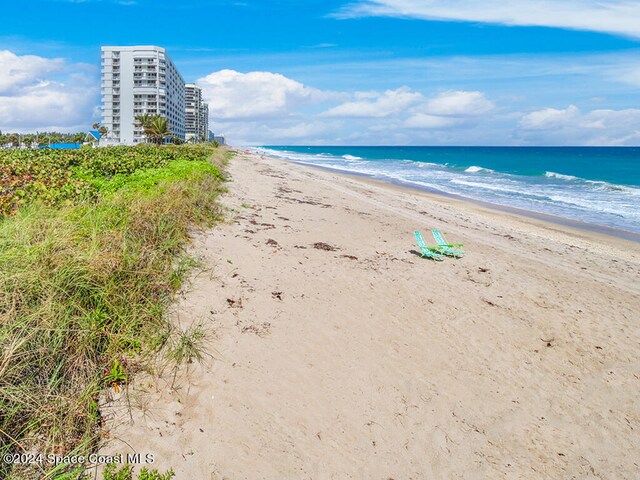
(39, 138)
(156, 129)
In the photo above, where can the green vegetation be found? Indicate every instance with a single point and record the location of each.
(125, 473)
(91, 252)
(53, 176)
(111, 472)
(40, 138)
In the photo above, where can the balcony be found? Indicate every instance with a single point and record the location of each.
(148, 89)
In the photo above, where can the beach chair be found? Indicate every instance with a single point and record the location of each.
(446, 248)
(427, 252)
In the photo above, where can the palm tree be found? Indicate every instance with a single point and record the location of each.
(143, 121)
(157, 129)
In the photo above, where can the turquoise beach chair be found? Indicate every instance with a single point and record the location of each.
(444, 247)
(427, 252)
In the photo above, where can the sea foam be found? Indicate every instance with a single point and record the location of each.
(475, 169)
(561, 176)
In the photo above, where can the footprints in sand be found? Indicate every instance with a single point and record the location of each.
(261, 330)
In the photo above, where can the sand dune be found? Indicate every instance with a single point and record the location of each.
(341, 354)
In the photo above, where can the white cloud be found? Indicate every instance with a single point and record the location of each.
(268, 108)
(263, 107)
(611, 16)
(17, 72)
(38, 93)
(450, 109)
(374, 105)
(426, 121)
(572, 127)
(235, 95)
(459, 103)
(447, 109)
(550, 118)
(629, 74)
(304, 130)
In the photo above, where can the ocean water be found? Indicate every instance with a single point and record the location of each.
(596, 185)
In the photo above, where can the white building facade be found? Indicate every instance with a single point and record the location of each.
(136, 81)
(197, 114)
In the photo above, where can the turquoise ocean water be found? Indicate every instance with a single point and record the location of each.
(596, 185)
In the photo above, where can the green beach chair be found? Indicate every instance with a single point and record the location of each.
(427, 252)
(444, 247)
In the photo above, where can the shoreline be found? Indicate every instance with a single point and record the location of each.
(544, 217)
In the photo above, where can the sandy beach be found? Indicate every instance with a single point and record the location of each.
(338, 353)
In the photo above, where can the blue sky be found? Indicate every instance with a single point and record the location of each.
(448, 72)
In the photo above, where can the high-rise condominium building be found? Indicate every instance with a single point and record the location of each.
(197, 114)
(140, 80)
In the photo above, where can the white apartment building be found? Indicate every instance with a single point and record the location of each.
(197, 114)
(140, 80)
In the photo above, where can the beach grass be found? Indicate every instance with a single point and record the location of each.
(86, 276)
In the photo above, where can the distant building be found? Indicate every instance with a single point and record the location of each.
(196, 114)
(211, 137)
(136, 81)
(220, 139)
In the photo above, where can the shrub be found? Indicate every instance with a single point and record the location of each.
(84, 286)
